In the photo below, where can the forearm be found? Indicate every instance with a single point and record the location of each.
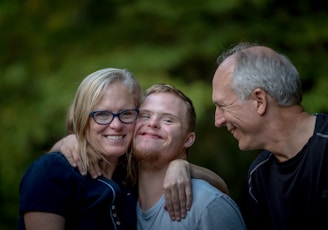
(208, 175)
(43, 220)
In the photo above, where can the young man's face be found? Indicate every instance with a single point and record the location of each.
(160, 133)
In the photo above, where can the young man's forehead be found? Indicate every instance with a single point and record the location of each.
(165, 103)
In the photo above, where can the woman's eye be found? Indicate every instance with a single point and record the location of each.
(102, 114)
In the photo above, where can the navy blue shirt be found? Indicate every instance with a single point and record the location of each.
(291, 194)
(52, 185)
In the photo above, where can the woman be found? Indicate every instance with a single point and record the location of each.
(54, 195)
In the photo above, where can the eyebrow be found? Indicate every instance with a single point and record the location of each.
(165, 114)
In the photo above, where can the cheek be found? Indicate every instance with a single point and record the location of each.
(245, 118)
(92, 131)
(237, 112)
(95, 128)
(177, 138)
(130, 129)
(137, 126)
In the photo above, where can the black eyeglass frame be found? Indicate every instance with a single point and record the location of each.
(94, 113)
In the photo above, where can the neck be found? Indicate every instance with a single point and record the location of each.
(291, 135)
(107, 168)
(150, 183)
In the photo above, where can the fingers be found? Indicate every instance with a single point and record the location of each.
(80, 166)
(179, 205)
(94, 169)
(72, 150)
(69, 147)
(169, 204)
(70, 159)
(188, 194)
(178, 199)
(177, 189)
(182, 202)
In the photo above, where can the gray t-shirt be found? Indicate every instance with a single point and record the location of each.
(211, 209)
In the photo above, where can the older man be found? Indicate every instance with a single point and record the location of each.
(257, 93)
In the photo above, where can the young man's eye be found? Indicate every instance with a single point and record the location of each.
(168, 120)
(144, 116)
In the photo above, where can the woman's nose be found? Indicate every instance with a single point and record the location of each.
(115, 123)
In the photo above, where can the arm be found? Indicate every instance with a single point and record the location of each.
(177, 186)
(46, 191)
(211, 177)
(44, 221)
(69, 147)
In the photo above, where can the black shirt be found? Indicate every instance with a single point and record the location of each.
(52, 185)
(291, 194)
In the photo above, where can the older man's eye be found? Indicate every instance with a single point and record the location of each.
(220, 108)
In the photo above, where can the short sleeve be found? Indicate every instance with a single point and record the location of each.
(48, 185)
(221, 213)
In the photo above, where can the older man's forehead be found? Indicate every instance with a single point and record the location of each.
(228, 62)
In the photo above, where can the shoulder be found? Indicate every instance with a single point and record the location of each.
(47, 167)
(321, 116)
(205, 193)
(50, 162)
(321, 125)
(51, 158)
(213, 207)
(48, 184)
(260, 167)
(265, 157)
(201, 185)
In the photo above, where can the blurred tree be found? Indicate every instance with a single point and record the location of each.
(48, 47)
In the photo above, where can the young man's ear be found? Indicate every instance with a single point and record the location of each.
(190, 140)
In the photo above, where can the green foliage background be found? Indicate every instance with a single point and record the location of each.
(48, 47)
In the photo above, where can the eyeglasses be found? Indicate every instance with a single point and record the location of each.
(104, 117)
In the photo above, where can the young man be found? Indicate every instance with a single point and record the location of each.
(164, 132)
(257, 93)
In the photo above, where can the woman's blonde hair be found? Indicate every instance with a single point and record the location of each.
(88, 95)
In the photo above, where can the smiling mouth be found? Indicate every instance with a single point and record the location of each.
(150, 135)
(232, 130)
(114, 138)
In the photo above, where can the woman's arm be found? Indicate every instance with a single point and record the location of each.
(44, 221)
(210, 176)
(177, 186)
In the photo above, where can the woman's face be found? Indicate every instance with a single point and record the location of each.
(112, 140)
